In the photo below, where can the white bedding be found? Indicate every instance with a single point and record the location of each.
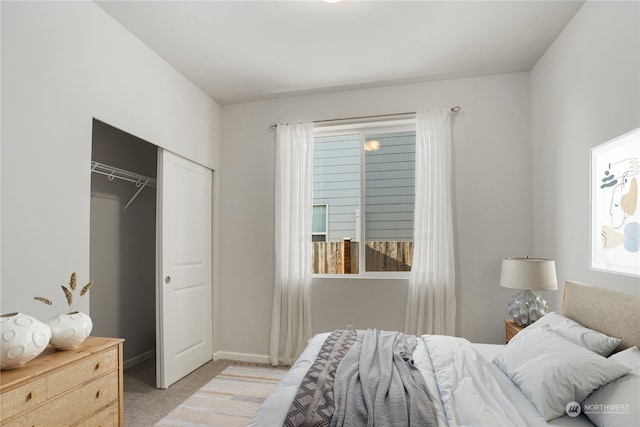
(471, 391)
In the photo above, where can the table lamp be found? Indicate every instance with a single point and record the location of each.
(529, 274)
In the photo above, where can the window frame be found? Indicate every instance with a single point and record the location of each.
(326, 221)
(364, 128)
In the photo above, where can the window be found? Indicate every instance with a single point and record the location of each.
(367, 175)
(319, 223)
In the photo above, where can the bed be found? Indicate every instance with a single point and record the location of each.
(580, 367)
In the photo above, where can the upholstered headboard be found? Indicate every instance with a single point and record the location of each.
(612, 313)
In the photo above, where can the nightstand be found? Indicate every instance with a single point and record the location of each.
(510, 329)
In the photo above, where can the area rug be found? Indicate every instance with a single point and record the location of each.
(229, 399)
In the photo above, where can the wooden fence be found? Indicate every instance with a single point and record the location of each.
(343, 257)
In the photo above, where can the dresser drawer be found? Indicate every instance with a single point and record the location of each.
(23, 398)
(18, 422)
(108, 417)
(82, 372)
(72, 407)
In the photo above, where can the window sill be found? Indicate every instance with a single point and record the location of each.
(369, 276)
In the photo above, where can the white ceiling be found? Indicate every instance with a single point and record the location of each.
(247, 50)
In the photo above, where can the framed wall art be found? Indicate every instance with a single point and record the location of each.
(615, 205)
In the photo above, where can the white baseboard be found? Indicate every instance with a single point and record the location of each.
(241, 357)
(136, 360)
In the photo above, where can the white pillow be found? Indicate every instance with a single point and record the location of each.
(552, 371)
(617, 404)
(578, 334)
(629, 357)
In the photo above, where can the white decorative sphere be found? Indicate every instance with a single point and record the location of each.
(22, 338)
(69, 330)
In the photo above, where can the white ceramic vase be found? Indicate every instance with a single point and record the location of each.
(22, 338)
(69, 330)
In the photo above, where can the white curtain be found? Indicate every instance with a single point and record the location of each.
(291, 315)
(431, 305)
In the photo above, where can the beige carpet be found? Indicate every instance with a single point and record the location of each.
(230, 399)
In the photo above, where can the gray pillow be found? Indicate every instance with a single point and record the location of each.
(578, 334)
(617, 404)
(552, 371)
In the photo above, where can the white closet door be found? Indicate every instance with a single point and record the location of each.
(184, 322)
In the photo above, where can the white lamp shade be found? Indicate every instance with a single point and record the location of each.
(536, 274)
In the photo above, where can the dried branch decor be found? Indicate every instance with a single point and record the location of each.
(68, 291)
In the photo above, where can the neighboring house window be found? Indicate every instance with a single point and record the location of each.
(367, 175)
(319, 223)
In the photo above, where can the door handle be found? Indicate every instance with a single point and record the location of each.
(167, 280)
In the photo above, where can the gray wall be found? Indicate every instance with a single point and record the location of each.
(63, 64)
(521, 180)
(585, 91)
(123, 244)
(492, 208)
(58, 74)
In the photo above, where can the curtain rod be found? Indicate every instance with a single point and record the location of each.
(454, 109)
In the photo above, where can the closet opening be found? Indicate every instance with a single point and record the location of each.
(123, 240)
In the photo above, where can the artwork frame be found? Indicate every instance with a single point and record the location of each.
(615, 205)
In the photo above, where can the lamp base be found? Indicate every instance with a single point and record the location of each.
(526, 307)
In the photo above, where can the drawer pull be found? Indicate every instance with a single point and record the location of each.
(98, 366)
(98, 394)
(31, 395)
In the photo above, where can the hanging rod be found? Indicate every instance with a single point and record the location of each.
(454, 109)
(112, 172)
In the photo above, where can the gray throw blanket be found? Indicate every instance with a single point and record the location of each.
(376, 384)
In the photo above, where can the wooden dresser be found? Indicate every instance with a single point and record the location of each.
(79, 387)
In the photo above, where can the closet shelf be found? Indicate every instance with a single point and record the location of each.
(112, 172)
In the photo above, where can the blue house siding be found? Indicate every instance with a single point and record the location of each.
(389, 188)
(336, 182)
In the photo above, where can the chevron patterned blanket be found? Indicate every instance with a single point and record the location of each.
(314, 404)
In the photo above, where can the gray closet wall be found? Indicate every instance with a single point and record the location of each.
(123, 244)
